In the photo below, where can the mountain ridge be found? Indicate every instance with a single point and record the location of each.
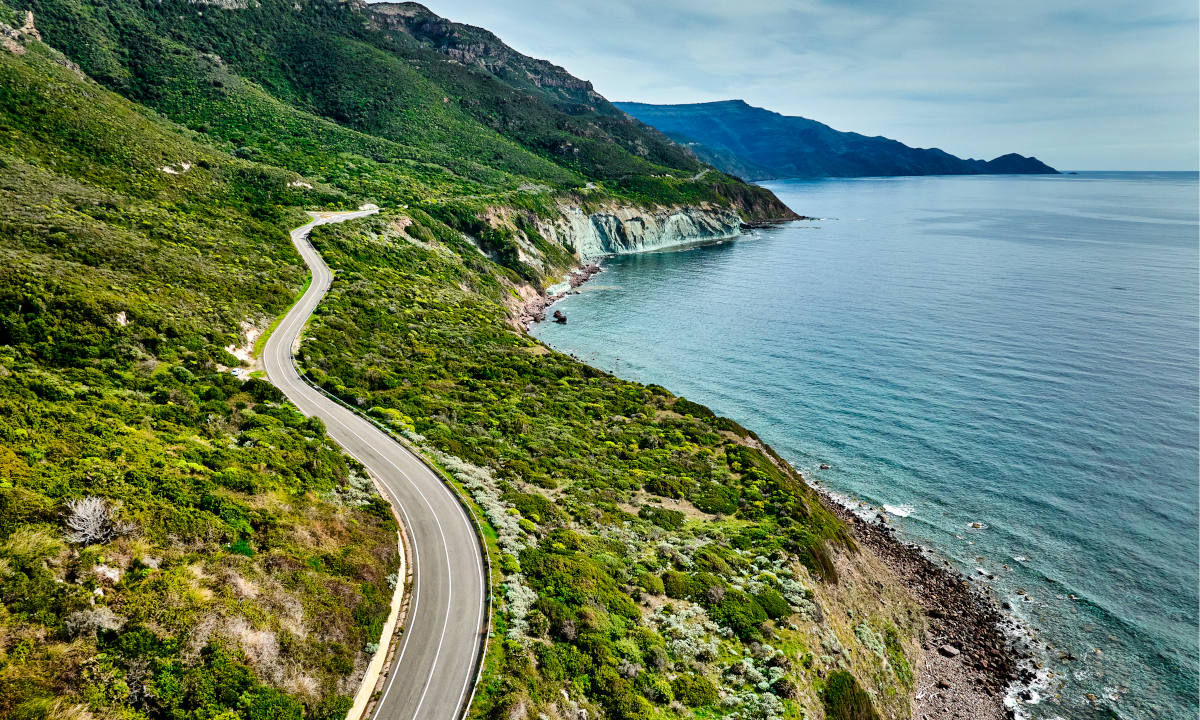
(759, 144)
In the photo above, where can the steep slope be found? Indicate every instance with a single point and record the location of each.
(758, 144)
(582, 111)
(235, 560)
(376, 100)
(652, 560)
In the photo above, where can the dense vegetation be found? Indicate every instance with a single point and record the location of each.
(341, 93)
(653, 551)
(658, 561)
(228, 523)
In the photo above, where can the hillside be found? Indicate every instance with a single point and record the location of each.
(351, 95)
(657, 561)
(234, 558)
(758, 144)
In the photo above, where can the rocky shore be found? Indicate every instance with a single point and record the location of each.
(534, 310)
(970, 665)
(970, 662)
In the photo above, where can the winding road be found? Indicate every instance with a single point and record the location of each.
(433, 673)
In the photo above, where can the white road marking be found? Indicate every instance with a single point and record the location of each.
(293, 381)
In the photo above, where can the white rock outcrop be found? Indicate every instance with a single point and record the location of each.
(624, 230)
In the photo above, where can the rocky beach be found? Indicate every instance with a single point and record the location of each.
(970, 662)
(534, 310)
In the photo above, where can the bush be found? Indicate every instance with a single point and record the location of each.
(715, 498)
(773, 603)
(677, 585)
(844, 699)
(651, 583)
(665, 487)
(741, 613)
(265, 703)
(262, 391)
(694, 690)
(684, 406)
(666, 519)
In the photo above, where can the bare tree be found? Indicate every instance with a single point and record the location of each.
(92, 520)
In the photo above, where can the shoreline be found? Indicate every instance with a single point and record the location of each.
(972, 665)
(534, 310)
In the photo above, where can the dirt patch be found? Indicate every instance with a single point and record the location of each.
(690, 511)
(245, 351)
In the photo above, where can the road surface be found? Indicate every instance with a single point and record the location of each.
(433, 673)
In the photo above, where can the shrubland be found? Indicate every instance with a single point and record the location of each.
(174, 542)
(169, 533)
(657, 557)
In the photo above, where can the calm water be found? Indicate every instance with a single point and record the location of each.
(1017, 352)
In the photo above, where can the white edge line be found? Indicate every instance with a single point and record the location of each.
(299, 237)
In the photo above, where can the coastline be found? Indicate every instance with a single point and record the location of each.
(534, 309)
(972, 667)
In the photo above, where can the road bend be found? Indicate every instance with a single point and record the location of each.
(433, 673)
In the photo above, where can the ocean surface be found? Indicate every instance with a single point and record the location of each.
(1019, 352)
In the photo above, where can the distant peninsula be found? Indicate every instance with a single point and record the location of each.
(757, 144)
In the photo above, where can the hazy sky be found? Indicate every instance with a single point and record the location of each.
(1081, 84)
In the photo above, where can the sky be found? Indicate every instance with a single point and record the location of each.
(1081, 84)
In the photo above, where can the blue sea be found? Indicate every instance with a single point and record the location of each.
(1018, 352)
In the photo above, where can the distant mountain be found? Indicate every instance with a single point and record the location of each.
(758, 144)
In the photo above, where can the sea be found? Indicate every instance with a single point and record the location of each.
(1006, 366)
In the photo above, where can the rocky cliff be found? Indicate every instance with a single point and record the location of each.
(620, 230)
(476, 46)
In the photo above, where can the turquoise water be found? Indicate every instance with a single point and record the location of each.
(1019, 352)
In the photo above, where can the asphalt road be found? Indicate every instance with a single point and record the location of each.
(433, 672)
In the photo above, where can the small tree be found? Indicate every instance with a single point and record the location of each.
(92, 520)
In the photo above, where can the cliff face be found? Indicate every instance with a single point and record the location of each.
(622, 230)
(758, 144)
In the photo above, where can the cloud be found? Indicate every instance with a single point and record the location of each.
(1105, 84)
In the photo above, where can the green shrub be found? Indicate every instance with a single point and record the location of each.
(694, 690)
(677, 585)
(773, 603)
(667, 519)
(651, 583)
(715, 498)
(683, 406)
(741, 613)
(844, 698)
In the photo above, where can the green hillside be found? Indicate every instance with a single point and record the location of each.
(658, 561)
(652, 551)
(347, 94)
(234, 522)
